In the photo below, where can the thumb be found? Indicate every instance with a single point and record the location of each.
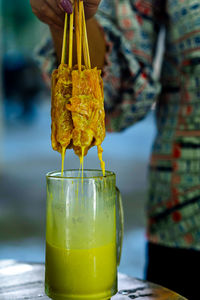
(91, 7)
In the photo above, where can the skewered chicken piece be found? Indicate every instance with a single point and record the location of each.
(62, 124)
(87, 108)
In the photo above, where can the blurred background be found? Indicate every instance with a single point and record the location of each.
(26, 154)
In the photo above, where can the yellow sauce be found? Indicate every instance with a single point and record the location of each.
(63, 160)
(81, 273)
(100, 151)
(82, 164)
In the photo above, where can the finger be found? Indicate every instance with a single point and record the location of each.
(49, 22)
(53, 17)
(47, 15)
(55, 7)
(37, 5)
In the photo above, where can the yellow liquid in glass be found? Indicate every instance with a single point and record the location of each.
(81, 273)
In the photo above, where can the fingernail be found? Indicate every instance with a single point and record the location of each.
(67, 6)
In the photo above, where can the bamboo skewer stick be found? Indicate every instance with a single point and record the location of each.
(81, 37)
(80, 33)
(85, 41)
(77, 35)
(71, 40)
(64, 41)
(85, 56)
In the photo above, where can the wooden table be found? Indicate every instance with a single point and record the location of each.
(26, 281)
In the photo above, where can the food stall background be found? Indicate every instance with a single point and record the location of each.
(26, 154)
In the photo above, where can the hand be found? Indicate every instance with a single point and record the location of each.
(52, 12)
(91, 6)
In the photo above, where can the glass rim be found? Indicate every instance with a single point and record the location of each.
(51, 175)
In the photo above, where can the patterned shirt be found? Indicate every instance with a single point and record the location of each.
(130, 90)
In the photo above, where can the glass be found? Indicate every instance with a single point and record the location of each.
(84, 230)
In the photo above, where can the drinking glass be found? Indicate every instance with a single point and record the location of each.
(84, 231)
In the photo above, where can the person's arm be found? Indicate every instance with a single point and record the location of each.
(95, 38)
(129, 84)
